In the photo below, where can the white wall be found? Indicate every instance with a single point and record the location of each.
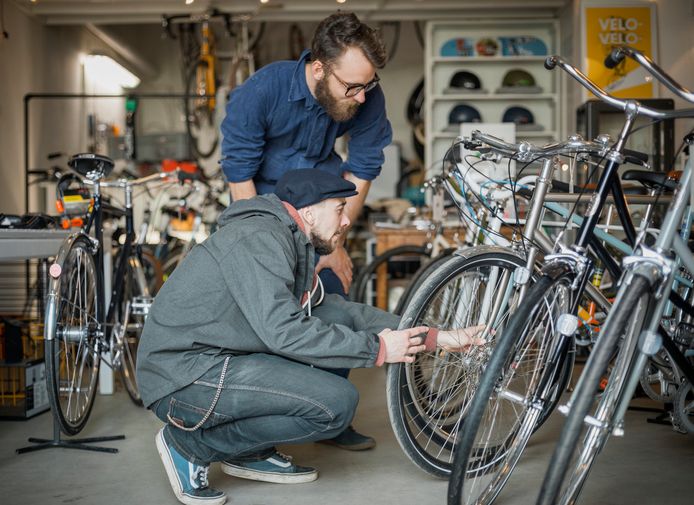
(39, 59)
(21, 68)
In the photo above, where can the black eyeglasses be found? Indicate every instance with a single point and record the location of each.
(354, 89)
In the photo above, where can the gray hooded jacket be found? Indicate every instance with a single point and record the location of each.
(240, 292)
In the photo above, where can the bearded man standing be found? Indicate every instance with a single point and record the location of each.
(288, 115)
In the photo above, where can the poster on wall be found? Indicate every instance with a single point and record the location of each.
(609, 24)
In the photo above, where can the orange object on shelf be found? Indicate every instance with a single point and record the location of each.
(188, 167)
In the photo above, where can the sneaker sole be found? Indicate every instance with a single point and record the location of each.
(365, 446)
(277, 478)
(165, 456)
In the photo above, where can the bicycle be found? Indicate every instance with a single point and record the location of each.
(649, 279)
(202, 74)
(487, 454)
(86, 321)
(428, 399)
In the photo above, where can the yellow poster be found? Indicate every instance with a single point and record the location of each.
(606, 27)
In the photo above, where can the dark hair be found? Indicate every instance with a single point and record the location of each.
(342, 30)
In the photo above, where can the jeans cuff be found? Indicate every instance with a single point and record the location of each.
(170, 439)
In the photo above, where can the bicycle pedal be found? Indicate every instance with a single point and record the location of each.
(141, 304)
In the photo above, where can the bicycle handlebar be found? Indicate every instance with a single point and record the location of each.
(629, 106)
(618, 54)
(525, 151)
(124, 183)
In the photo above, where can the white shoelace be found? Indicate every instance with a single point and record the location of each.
(198, 476)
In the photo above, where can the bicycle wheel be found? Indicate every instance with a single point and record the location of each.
(129, 319)
(359, 286)
(419, 277)
(428, 399)
(72, 341)
(518, 389)
(200, 110)
(571, 460)
(154, 273)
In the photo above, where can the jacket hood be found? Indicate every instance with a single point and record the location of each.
(268, 204)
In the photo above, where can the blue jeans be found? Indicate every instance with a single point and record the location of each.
(265, 400)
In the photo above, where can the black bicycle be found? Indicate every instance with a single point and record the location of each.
(87, 321)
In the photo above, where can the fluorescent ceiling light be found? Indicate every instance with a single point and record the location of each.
(108, 71)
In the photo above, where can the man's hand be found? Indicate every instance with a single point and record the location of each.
(402, 345)
(460, 340)
(339, 262)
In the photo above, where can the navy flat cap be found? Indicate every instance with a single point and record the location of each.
(308, 186)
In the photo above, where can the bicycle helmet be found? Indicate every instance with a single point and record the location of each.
(522, 117)
(462, 113)
(518, 80)
(464, 82)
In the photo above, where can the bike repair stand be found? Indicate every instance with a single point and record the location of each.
(75, 443)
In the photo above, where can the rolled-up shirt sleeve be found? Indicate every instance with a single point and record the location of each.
(370, 135)
(243, 131)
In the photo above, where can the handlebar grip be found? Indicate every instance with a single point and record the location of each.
(615, 57)
(550, 62)
(635, 157)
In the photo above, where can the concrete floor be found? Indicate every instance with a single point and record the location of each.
(652, 465)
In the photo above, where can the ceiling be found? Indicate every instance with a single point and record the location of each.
(60, 12)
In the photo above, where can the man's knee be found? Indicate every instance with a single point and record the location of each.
(341, 402)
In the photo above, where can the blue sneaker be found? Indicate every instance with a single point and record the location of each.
(277, 468)
(188, 480)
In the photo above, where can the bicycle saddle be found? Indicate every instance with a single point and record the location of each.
(652, 180)
(92, 166)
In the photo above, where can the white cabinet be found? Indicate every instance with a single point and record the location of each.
(491, 50)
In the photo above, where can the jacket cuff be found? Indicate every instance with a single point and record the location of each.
(430, 340)
(381, 357)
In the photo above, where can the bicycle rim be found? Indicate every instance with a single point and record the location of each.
(505, 410)
(127, 331)
(359, 287)
(427, 399)
(419, 277)
(579, 442)
(72, 354)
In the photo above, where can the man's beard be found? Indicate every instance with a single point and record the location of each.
(338, 110)
(324, 247)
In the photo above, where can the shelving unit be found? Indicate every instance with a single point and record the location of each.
(545, 105)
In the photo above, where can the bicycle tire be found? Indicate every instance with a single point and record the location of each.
(486, 466)
(621, 315)
(427, 430)
(358, 291)
(419, 277)
(71, 331)
(198, 116)
(127, 333)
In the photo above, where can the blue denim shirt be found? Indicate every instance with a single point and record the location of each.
(273, 124)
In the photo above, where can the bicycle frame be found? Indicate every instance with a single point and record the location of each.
(95, 223)
(661, 271)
